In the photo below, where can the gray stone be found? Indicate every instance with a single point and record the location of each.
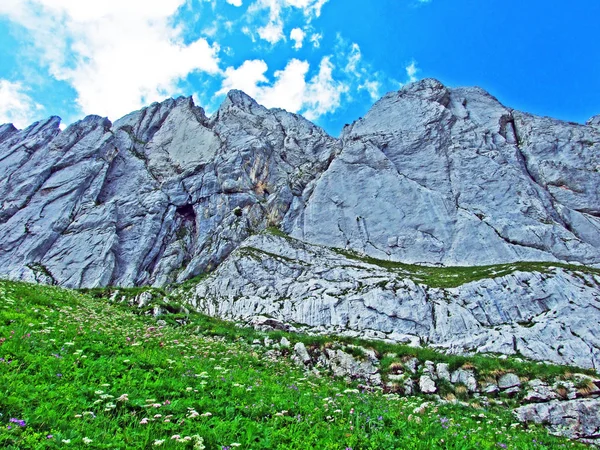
(575, 419)
(302, 353)
(465, 377)
(142, 300)
(264, 323)
(490, 389)
(510, 392)
(427, 385)
(443, 371)
(429, 369)
(539, 391)
(345, 365)
(285, 343)
(412, 365)
(594, 121)
(409, 387)
(508, 380)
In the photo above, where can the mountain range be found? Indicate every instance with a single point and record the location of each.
(440, 217)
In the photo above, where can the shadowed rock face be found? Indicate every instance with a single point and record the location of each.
(430, 175)
(159, 196)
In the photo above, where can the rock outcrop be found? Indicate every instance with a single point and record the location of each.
(575, 419)
(159, 196)
(438, 175)
(545, 313)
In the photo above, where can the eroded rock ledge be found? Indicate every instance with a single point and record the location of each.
(543, 314)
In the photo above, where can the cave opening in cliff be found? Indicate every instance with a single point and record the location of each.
(187, 212)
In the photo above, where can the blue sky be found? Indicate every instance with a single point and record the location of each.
(326, 59)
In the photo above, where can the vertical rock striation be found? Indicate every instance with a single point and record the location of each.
(159, 196)
(450, 176)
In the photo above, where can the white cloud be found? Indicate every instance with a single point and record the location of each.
(297, 35)
(324, 94)
(290, 88)
(373, 87)
(247, 77)
(309, 7)
(16, 106)
(235, 2)
(272, 31)
(315, 39)
(118, 55)
(360, 73)
(411, 71)
(354, 59)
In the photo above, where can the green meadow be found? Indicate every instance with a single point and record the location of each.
(77, 371)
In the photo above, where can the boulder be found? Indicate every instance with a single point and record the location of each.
(538, 391)
(427, 385)
(508, 380)
(465, 377)
(302, 353)
(345, 365)
(443, 372)
(412, 365)
(574, 419)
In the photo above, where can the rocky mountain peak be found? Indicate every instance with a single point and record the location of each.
(594, 121)
(430, 175)
(7, 130)
(427, 89)
(437, 175)
(237, 100)
(161, 195)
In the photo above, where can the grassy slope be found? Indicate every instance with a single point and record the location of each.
(449, 276)
(67, 357)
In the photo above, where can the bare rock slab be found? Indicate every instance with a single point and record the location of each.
(574, 419)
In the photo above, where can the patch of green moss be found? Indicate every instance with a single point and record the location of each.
(449, 277)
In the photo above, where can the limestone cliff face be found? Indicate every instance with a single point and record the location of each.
(157, 197)
(546, 314)
(430, 175)
(437, 175)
